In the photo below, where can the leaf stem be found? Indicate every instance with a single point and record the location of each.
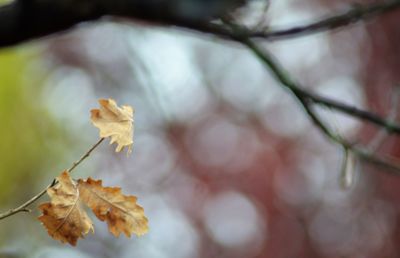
(23, 207)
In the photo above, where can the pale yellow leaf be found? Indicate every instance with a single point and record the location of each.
(114, 122)
(122, 213)
(63, 217)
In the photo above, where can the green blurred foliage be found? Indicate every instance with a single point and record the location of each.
(5, 2)
(29, 139)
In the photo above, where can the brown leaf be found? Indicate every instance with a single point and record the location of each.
(63, 217)
(121, 212)
(114, 122)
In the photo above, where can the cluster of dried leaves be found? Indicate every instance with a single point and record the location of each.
(65, 217)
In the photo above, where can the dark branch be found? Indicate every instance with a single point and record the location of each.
(370, 117)
(23, 20)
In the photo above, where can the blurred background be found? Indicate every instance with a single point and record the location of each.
(225, 162)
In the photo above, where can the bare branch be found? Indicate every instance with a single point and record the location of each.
(24, 207)
(86, 155)
(356, 14)
(23, 20)
(240, 34)
(280, 74)
(389, 125)
(382, 133)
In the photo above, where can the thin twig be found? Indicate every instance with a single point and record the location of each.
(280, 74)
(389, 125)
(75, 164)
(239, 34)
(355, 14)
(380, 136)
(23, 207)
(349, 165)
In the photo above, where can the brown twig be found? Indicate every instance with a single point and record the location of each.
(23, 207)
(75, 164)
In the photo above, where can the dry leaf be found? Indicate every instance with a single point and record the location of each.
(114, 122)
(63, 217)
(65, 220)
(121, 212)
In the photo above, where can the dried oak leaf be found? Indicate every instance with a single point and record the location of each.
(114, 122)
(63, 217)
(122, 213)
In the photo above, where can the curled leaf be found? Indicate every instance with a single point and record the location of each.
(63, 217)
(122, 213)
(114, 122)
